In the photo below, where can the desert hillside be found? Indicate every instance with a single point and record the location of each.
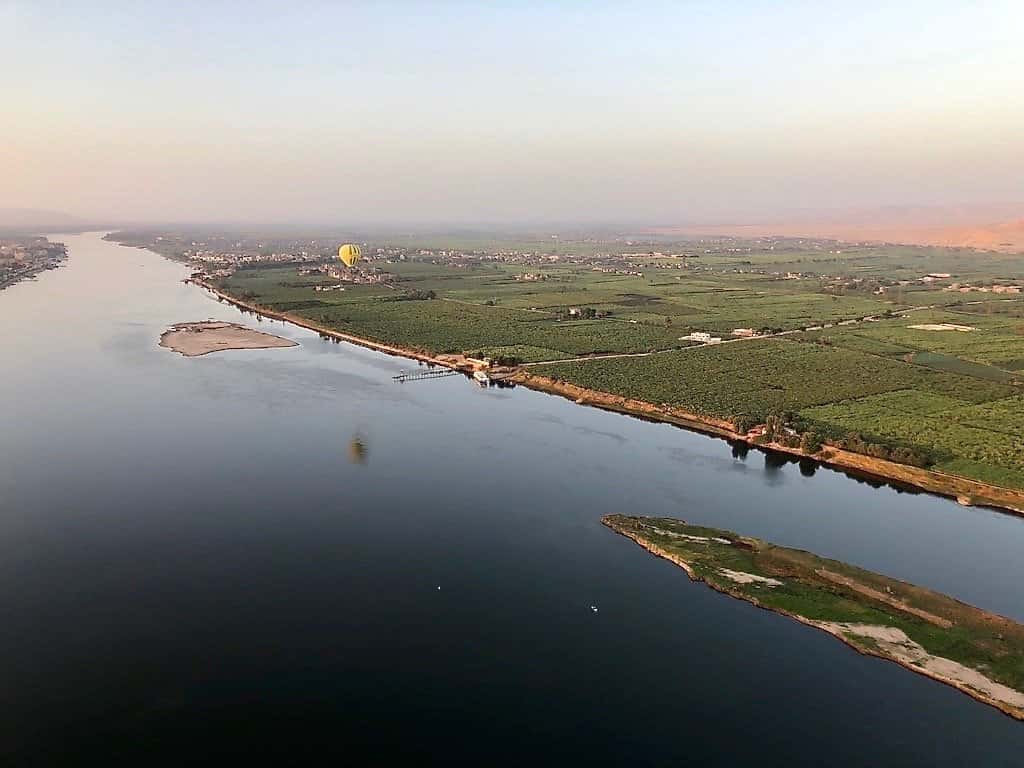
(996, 227)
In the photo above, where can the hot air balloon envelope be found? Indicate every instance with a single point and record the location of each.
(349, 254)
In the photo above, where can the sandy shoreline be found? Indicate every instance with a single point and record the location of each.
(964, 490)
(195, 339)
(897, 649)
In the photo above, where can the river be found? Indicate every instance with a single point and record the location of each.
(193, 563)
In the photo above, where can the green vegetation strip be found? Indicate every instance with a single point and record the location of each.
(978, 652)
(963, 425)
(889, 387)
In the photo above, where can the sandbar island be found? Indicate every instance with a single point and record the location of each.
(195, 339)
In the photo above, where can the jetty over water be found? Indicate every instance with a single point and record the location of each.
(435, 373)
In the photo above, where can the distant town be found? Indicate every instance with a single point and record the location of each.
(22, 258)
(219, 256)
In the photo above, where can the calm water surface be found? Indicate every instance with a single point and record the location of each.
(192, 564)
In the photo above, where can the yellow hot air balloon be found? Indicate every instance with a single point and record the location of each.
(349, 254)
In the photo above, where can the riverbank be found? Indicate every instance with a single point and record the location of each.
(455, 362)
(977, 652)
(31, 270)
(966, 491)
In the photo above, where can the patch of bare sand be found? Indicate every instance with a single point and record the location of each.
(194, 339)
(941, 327)
(686, 536)
(895, 643)
(741, 577)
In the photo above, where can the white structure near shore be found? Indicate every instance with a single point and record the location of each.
(701, 336)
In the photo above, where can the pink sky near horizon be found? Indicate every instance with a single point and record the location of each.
(514, 112)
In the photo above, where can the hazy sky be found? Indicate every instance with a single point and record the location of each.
(460, 111)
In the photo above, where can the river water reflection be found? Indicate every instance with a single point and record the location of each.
(195, 557)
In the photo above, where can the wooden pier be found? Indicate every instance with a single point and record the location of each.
(435, 373)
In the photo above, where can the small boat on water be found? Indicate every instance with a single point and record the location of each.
(481, 377)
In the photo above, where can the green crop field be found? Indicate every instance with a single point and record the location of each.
(948, 396)
(759, 376)
(993, 348)
(967, 425)
(446, 326)
(984, 441)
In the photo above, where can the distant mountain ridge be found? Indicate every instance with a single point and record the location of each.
(993, 227)
(36, 218)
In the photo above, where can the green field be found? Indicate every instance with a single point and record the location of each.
(760, 376)
(862, 378)
(983, 441)
(996, 341)
(962, 424)
(450, 324)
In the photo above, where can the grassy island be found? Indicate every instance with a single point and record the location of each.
(978, 652)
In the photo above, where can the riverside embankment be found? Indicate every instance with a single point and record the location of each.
(964, 490)
(454, 362)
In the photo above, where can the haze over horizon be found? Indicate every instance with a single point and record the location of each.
(663, 113)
